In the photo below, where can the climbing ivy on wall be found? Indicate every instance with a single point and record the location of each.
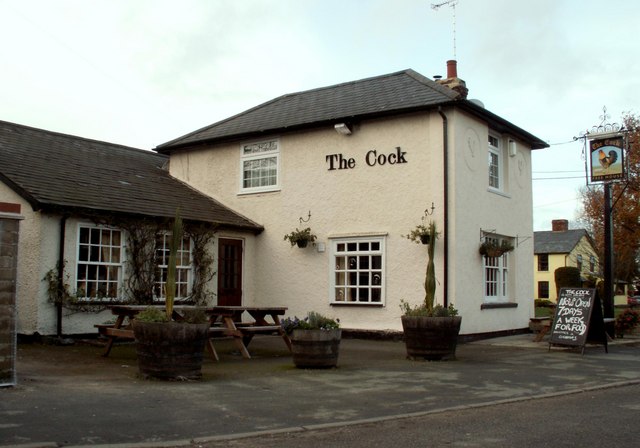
(140, 264)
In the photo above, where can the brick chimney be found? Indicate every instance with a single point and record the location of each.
(559, 225)
(452, 81)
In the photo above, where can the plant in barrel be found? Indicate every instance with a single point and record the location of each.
(430, 329)
(169, 348)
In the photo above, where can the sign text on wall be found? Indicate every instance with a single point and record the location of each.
(372, 158)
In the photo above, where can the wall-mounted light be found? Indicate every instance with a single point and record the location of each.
(512, 148)
(343, 128)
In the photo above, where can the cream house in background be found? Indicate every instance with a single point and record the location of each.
(562, 247)
(360, 163)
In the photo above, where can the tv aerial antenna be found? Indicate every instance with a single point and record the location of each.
(452, 4)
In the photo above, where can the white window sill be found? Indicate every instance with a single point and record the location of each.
(498, 192)
(270, 190)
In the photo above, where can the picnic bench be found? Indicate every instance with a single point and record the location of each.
(224, 321)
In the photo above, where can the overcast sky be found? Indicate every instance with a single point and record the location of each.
(142, 72)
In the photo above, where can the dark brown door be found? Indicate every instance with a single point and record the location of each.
(229, 272)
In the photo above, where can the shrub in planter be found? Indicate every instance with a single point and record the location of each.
(315, 340)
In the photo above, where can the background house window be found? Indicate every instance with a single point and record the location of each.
(358, 270)
(592, 264)
(579, 262)
(259, 166)
(543, 290)
(183, 267)
(495, 163)
(99, 265)
(543, 262)
(496, 276)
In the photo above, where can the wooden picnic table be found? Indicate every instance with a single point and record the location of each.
(223, 320)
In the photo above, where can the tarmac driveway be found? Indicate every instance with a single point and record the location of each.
(73, 396)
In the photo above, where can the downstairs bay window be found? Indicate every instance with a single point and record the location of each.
(183, 267)
(99, 263)
(358, 273)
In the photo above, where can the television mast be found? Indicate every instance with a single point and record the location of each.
(452, 4)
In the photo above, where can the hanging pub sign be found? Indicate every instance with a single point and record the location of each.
(607, 158)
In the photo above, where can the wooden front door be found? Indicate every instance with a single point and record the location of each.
(229, 272)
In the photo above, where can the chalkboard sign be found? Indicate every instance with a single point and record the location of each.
(578, 318)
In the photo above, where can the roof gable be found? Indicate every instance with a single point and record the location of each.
(550, 242)
(58, 171)
(399, 92)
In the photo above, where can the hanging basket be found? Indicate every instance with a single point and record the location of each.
(491, 249)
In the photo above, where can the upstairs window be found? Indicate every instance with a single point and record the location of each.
(543, 262)
(592, 264)
(495, 163)
(259, 165)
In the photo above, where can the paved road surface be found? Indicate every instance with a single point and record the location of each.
(600, 418)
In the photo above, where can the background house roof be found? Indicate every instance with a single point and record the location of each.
(399, 92)
(55, 171)
(550, 242)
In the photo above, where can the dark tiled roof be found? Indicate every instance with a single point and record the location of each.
(399, 92)
(54, 171)
(549, 242)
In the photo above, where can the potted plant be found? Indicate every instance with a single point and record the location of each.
(492, 247)
(166, 348)
(430, 330)
(300, 237)
(420, 234)
(315, 340)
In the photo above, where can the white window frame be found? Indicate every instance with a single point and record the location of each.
(353, 283)
(495, 282)
(495, 150)
(184, 267)
(257, 151)
(99, 263)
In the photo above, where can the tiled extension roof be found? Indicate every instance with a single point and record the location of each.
(55, 171)
(563, 242)
(399, 92)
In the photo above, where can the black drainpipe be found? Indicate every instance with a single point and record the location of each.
(63, 226)
(445, 169)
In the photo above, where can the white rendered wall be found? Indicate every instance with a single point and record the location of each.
(476, 207)
(388, 200)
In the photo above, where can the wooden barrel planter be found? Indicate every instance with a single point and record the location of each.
(431, 338)
(315, 349)
(170, 350)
